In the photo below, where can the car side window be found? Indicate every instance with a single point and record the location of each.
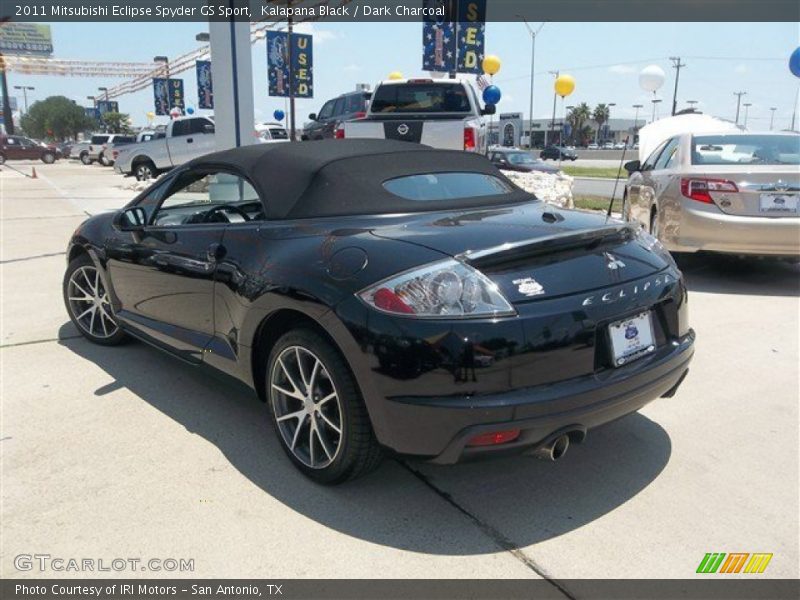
(667, 154)
(326, 111)
(198, 126)
(12, 141)
(208, 197)
(649, 164)
(180, 128)
(338, 108)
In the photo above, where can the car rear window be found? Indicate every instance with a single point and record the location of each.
(446, 186)
(420, 98)
(124, 139)
(355, 103)
(752, 149)
(99, 139)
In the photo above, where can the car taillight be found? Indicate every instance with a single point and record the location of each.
(446, 289)
(115, 153)
(360, 115)
(494, 438)
(469, 138)
(700, 188)
(338, 133)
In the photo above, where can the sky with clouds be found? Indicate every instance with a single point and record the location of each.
(604, 58)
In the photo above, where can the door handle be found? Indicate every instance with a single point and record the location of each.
(214, 252)
(189, 140)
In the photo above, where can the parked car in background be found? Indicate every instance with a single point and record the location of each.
(512, 159)
(619, 146)
(608, 146)
(91, 150)
(735, 193)
(441, 113)
(18, 147)
(185, 138)
(558, 153)
(593, 146)
(383, 297)
(323, 125)
(111, 148)
(271, 132)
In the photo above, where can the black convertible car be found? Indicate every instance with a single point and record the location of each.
(383, 295)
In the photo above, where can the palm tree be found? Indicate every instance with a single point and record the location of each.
(601, 114)
(577, 118)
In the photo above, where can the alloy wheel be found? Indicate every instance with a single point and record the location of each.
(306, 406)
(144, 172)
(89, 303)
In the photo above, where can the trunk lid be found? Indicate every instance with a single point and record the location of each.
(534, 251)
(763, 191)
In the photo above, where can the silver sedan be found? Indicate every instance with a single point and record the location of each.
(734, 193)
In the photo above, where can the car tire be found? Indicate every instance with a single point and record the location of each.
(85, 158)
(308, 406)
(48, 158)
(145, 170)
(88, 303)
(103, 160)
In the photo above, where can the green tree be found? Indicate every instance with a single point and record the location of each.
(114, 122)
(56, 117)
(577, 118)
(601, 115)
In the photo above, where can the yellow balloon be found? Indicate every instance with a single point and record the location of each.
(151, 114)
(394, 75)
(565, 85)
(491, 64)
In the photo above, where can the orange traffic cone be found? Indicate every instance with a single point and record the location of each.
(33, 173)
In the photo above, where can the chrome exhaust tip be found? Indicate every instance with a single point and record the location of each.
(553, 450)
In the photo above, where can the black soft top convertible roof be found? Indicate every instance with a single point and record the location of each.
(345, 177)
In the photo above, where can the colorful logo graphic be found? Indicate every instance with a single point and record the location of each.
(736, 562)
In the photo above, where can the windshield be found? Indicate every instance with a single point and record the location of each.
(520, 158)
(746, 149)
(420, 98)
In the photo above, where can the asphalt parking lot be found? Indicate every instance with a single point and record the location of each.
(126, 452)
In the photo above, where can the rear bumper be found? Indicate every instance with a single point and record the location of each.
(577, 404)
(705, 227)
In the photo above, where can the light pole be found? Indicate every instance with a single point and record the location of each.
(203, 37)
(608, 121)
(553, 120)
(105, 92)
(772, 116)
(93, 99)
(533, 35)
(25, 89)
(655, 102)
(677, 65)
(747, 105)
(738, 103)
(691, 103)
(165, 61)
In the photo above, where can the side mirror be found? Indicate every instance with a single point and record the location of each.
(130, 219)
(632, 166)
(208, 128)
(313, 116)
(489, 109)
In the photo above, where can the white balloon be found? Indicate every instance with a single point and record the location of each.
(436, 74)
(651, 78)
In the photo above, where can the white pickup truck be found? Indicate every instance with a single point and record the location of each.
(442, 113)
(186, 138)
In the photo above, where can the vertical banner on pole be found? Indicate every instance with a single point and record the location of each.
(176, 94)
(278, 63)
(106, 106)
(205, 90)
(438, 41)
(471, 32)
(160, 96)
(302, 66)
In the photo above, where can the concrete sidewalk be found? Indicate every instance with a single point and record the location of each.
(126, 452)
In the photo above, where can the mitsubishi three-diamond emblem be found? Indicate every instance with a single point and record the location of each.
(612, 262)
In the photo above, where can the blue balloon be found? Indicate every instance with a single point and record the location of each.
(278, 114)
(794, 62)
(190, 111)
(492, 95)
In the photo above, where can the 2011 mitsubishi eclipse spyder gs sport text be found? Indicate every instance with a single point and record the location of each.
(384, 295)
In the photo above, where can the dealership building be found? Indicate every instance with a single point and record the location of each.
(510, 129)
